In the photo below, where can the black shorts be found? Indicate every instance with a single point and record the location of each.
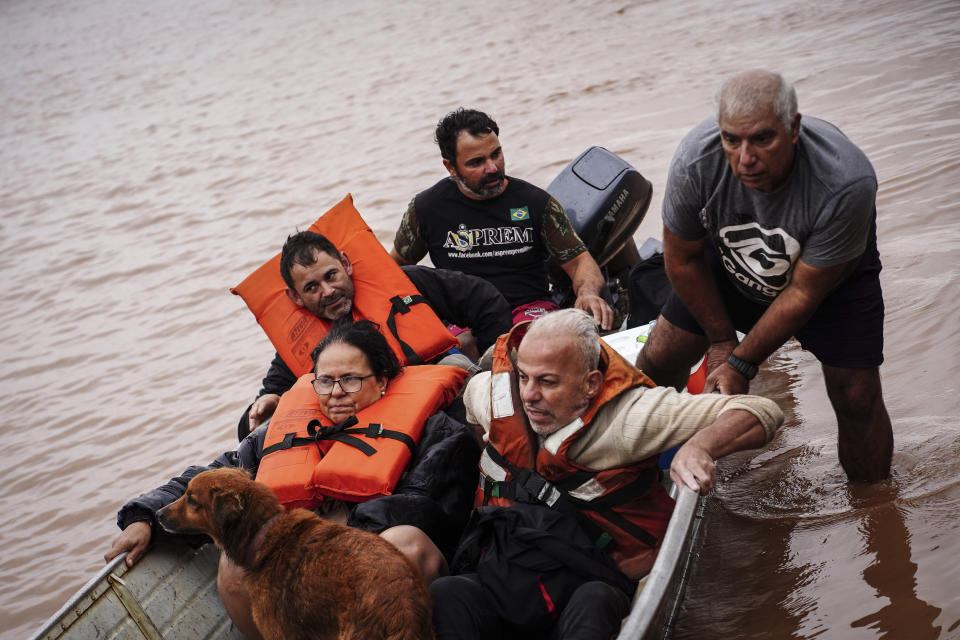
(845, 331)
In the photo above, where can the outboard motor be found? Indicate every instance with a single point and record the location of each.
(605, 199)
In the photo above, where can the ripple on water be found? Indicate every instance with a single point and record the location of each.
(805, 483)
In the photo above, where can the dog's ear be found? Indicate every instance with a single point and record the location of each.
(227, 507)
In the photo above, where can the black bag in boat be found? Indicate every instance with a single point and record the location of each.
(648, 285)
(530, 559)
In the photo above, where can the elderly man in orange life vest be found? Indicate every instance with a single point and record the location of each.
(579, 443)
(480, 221)
(318, 278)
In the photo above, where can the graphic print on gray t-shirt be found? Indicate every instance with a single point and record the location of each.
(759, 259)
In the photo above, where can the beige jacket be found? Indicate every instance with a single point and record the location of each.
(637, 424)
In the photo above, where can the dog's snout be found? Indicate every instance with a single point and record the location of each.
(170, 518)
(163, 519)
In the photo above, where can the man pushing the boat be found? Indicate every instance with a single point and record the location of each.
(480, 221)
(573, 432)
(770, 229)
(319, 279)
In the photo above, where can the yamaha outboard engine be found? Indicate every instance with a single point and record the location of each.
(605, 199)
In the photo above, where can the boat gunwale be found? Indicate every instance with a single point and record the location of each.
(94, 589)
(654, 590)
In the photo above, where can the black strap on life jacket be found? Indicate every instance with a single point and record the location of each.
(402, 306)
(529, 486)
(289, 441)
(345, 433)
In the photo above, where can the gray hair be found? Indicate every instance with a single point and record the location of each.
(751, 90)
(582, 328)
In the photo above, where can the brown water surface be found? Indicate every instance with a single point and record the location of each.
(152, 154)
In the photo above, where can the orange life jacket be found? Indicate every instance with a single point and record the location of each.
(626, 505)
(305, 458)
(382, 293)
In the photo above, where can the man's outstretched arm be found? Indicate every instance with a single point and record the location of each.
(733, 430)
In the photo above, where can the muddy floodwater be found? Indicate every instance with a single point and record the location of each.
(153, 154)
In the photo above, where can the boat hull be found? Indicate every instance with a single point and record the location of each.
(171, 592)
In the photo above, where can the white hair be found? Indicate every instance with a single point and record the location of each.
(749, 91)
(581, 327)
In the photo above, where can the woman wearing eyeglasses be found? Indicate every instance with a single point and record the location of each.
(351, 372)
(356, 375)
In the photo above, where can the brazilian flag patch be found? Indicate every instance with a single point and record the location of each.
(520, 213)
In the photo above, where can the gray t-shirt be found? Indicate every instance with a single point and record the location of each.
(821, 214)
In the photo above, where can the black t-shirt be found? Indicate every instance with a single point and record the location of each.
(498, 239)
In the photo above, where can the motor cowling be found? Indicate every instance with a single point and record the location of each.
(605, 199)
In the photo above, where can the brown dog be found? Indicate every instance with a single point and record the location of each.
(307, 578)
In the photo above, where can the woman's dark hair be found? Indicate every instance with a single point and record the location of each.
(365, 336)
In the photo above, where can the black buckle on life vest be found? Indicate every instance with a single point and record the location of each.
(402, 305)
(345, 433)
(376, 430)
(526, 486)
(536, 488)
(340, 432)
(319, 431)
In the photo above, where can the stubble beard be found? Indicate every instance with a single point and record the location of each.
(483, 192)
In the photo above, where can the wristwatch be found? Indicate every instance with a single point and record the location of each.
(746, 369)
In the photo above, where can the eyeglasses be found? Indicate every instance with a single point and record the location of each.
(323, 385)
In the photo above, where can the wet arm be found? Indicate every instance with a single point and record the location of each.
(691, 278)
(786, 315)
